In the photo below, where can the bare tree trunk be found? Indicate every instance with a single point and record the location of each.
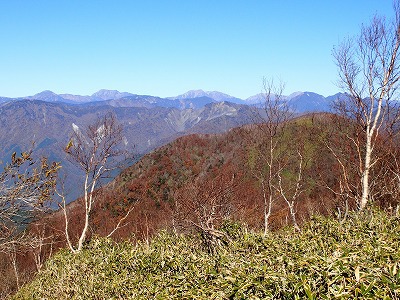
(63, 207)
(369, 71)
(88, 208)
(267, 207)
(291, 202)
(268, 202)
(13, 257)
(365, 175)
(293, 216)
(270, 125)
(118, 226)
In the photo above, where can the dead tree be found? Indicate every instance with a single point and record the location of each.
(40, 244)
(203, 204)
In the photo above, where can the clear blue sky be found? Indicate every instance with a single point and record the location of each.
(165, 48)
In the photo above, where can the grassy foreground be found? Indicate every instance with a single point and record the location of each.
(327, 260)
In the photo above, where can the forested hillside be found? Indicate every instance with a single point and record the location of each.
(167, 187)
(198, 182)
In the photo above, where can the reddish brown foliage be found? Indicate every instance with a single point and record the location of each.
(182, 182)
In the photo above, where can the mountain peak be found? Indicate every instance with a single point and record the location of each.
(191, 94)
(295, 94)
(46, 95)
(197, 91)
(110, 94)
(215, 95)
(102, 91)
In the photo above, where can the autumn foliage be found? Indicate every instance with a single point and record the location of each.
(198, 181)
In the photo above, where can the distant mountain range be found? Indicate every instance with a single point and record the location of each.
(300, 102)
(49, 125)
(216, 96)
(148, 121)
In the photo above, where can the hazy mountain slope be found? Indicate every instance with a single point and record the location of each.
(301, 102)
(138, 101)
(196, 102)
(110, 94)
(217, 96)
(49, 124)
(24, 121)
(5, 99)
(309, 102)
(100, 95)
(78, 98)
(47, 96)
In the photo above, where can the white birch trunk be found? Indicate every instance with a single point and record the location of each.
(365, 175)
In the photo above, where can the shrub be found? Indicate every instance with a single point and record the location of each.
(358, 258)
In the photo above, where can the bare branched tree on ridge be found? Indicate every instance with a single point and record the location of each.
(270, 155)
(369, 72)
(98, 150)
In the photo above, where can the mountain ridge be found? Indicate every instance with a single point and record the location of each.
(49, 124)
(300, 101)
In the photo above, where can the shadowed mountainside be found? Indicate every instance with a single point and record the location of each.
(50, 124)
